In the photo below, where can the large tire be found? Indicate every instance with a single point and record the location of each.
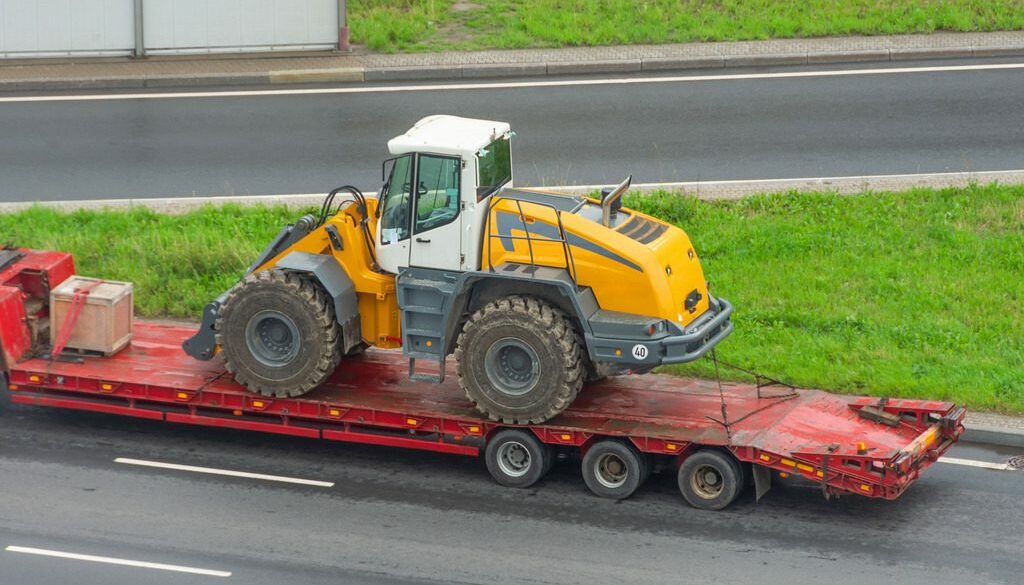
(710, 479)
(516, 458)
(278, 333)
(614, 469)
(520, 360)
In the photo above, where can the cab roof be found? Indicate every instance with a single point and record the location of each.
(443, 134)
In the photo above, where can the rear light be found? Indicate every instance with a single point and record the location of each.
(653, 328)
(692, 300)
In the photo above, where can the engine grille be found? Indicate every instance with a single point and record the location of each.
(642, 229)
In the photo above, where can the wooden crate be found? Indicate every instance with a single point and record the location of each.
(104, 324)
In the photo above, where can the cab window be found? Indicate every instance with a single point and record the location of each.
(437, 195)
(394, 220)
(494, 167)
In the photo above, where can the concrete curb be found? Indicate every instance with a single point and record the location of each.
(506, 70)
(991, 435)
(708, 190)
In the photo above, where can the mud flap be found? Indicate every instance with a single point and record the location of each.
(762, 481)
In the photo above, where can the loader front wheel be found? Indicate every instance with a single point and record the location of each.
(278, 334)
(520, 360)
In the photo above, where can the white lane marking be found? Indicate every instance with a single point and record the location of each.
(513, 84)
(116, 561)
(228, 472)
(973, 463)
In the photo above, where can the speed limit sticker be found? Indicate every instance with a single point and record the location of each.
(640, 351)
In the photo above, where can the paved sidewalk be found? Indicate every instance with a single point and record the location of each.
(997, 429)
(107, 73)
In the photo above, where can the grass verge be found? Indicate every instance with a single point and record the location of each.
(431, 25)
(914, 294)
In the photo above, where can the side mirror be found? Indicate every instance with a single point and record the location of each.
(611, 203)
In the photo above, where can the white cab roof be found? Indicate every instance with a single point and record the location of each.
(442, 134)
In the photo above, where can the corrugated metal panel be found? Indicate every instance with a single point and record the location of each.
(202, 26)
(53, 28)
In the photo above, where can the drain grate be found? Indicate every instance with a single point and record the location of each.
(1016, 462)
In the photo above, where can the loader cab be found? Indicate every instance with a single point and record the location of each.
(437, 185)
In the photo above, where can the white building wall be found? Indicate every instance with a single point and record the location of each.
(60, 28)
(208, 26)
(55, 28)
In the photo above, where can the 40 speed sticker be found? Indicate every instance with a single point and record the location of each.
(639, 351)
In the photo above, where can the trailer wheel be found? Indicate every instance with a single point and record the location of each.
(613, 469)
(710, 479)
(516, 458)
(519, 360)
(278, 334)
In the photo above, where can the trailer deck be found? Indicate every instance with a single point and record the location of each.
(863, 445)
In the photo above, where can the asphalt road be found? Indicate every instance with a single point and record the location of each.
(398, 517)
(709, 130)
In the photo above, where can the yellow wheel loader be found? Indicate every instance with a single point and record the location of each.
(533, 292)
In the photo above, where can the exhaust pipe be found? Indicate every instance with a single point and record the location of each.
(610, 203)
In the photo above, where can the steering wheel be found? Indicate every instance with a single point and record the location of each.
(421, 190)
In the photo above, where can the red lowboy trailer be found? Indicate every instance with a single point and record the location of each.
(715, 436)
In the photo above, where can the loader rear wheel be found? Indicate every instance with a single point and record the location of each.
(278, 334)
(520, 360)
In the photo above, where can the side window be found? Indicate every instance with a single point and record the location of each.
(494, 167)
(394, 220)
(437, 195)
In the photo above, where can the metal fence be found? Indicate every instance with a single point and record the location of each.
(56, 28)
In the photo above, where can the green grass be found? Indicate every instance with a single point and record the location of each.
(425, 25)
(915, 294)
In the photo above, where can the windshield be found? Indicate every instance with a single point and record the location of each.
(394, 220)
(494, 165)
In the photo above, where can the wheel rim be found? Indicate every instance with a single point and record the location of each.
(273, 338)
(514, 459)
(611, 471)
(707, 482)
(512, 366)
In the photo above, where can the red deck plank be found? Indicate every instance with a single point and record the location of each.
(652, 406)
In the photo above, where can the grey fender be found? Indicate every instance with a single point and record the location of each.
(336, 282)
(474, 289)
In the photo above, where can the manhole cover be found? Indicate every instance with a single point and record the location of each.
(1016, 462)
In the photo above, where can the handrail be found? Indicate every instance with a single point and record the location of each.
(570, 262)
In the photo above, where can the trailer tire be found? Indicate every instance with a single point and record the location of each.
(278, 333)
(516, 458)
(519, 360)
(613, 469)
(710, 479)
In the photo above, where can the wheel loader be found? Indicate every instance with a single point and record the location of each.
(534, 293)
